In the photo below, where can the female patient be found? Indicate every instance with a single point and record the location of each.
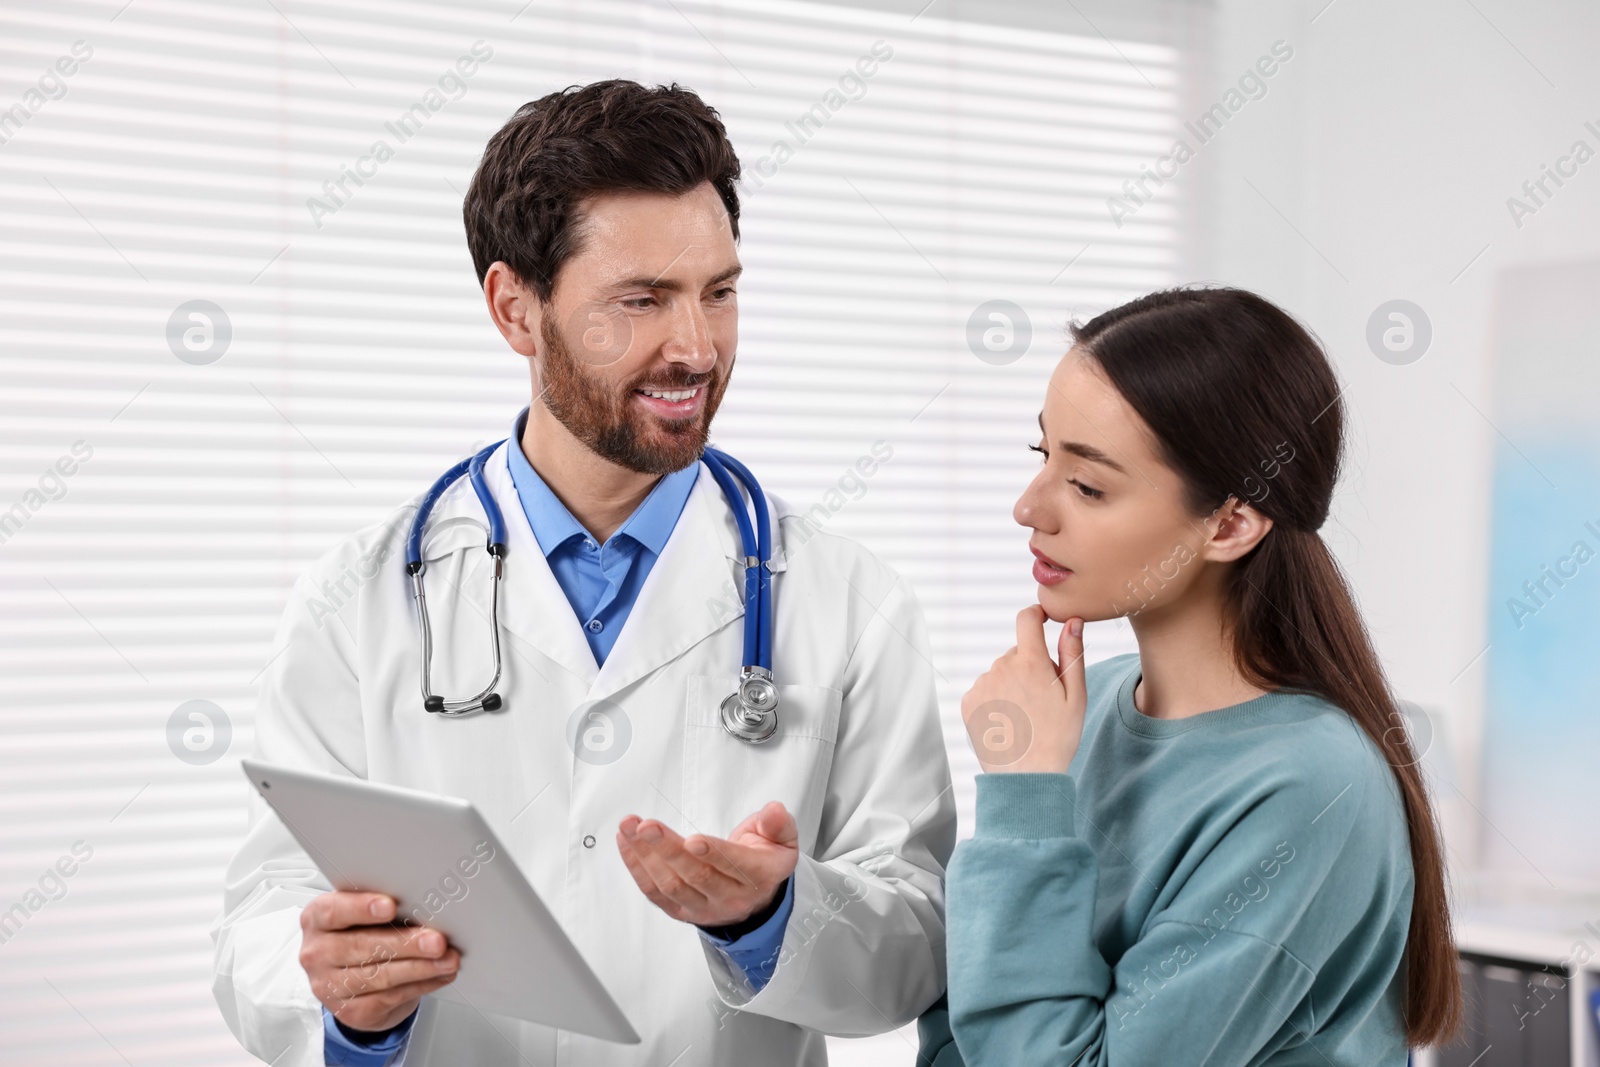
(1218, 850)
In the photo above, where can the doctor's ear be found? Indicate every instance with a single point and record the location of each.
(1239, 528)
(514, 307)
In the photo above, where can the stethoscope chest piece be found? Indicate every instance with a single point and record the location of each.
(750, 712)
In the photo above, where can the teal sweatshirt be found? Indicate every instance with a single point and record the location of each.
(1228, 889)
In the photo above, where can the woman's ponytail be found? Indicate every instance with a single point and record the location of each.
(1297, 627)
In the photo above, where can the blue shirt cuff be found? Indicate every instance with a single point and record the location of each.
(340, 1050)
(756, 953)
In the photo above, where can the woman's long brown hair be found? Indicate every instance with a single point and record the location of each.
(1230, 384)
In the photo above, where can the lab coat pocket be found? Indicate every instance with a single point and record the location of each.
(726, 779)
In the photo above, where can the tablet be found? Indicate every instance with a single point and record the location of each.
(446, 869)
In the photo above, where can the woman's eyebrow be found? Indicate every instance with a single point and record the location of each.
(1088, 452)
(1092, 454)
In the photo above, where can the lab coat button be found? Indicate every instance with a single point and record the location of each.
(588, 841)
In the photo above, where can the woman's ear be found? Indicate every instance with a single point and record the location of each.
(1240, 527)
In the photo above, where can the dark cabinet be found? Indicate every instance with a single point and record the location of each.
(1518, 1014)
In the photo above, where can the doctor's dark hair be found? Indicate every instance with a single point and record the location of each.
(1243, 403)
(525, 202)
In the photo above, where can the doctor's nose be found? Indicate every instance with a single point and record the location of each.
(691, 341)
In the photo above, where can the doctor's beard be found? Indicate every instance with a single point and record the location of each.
(605, 418)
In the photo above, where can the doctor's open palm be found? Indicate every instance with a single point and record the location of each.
(711, 881)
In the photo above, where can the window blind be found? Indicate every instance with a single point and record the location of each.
(238, 321)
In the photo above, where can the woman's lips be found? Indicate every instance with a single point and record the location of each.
(1047, 571)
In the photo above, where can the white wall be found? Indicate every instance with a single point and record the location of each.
(1378, 167)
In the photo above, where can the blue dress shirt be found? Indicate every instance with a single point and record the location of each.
(342, 1050)
(601, 582)
(756, 953)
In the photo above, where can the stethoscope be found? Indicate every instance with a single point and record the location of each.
(749, 713)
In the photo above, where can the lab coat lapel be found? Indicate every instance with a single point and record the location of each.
(689, 593)
(694, 589)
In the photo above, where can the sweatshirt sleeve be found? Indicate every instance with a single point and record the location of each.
(1029, 985)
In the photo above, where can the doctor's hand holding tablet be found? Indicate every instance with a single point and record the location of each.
(369, 966)
(368, 973)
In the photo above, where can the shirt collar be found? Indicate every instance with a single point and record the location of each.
(650, 525)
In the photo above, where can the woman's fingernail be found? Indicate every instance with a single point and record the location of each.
(1076, 627)
(431, 942)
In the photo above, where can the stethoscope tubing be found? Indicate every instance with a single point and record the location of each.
(757, 575)
(757, 591)
(486, 699)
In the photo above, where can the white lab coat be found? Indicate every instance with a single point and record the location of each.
(858, 759)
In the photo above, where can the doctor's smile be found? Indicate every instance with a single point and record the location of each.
(673, 403)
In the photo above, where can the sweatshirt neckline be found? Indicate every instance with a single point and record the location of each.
(1140, 723)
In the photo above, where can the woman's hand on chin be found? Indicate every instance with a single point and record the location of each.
(1025, 713)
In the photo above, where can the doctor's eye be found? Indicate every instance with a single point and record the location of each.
(639, 303)
(727, 292)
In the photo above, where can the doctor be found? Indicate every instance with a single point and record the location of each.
(738, 899)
